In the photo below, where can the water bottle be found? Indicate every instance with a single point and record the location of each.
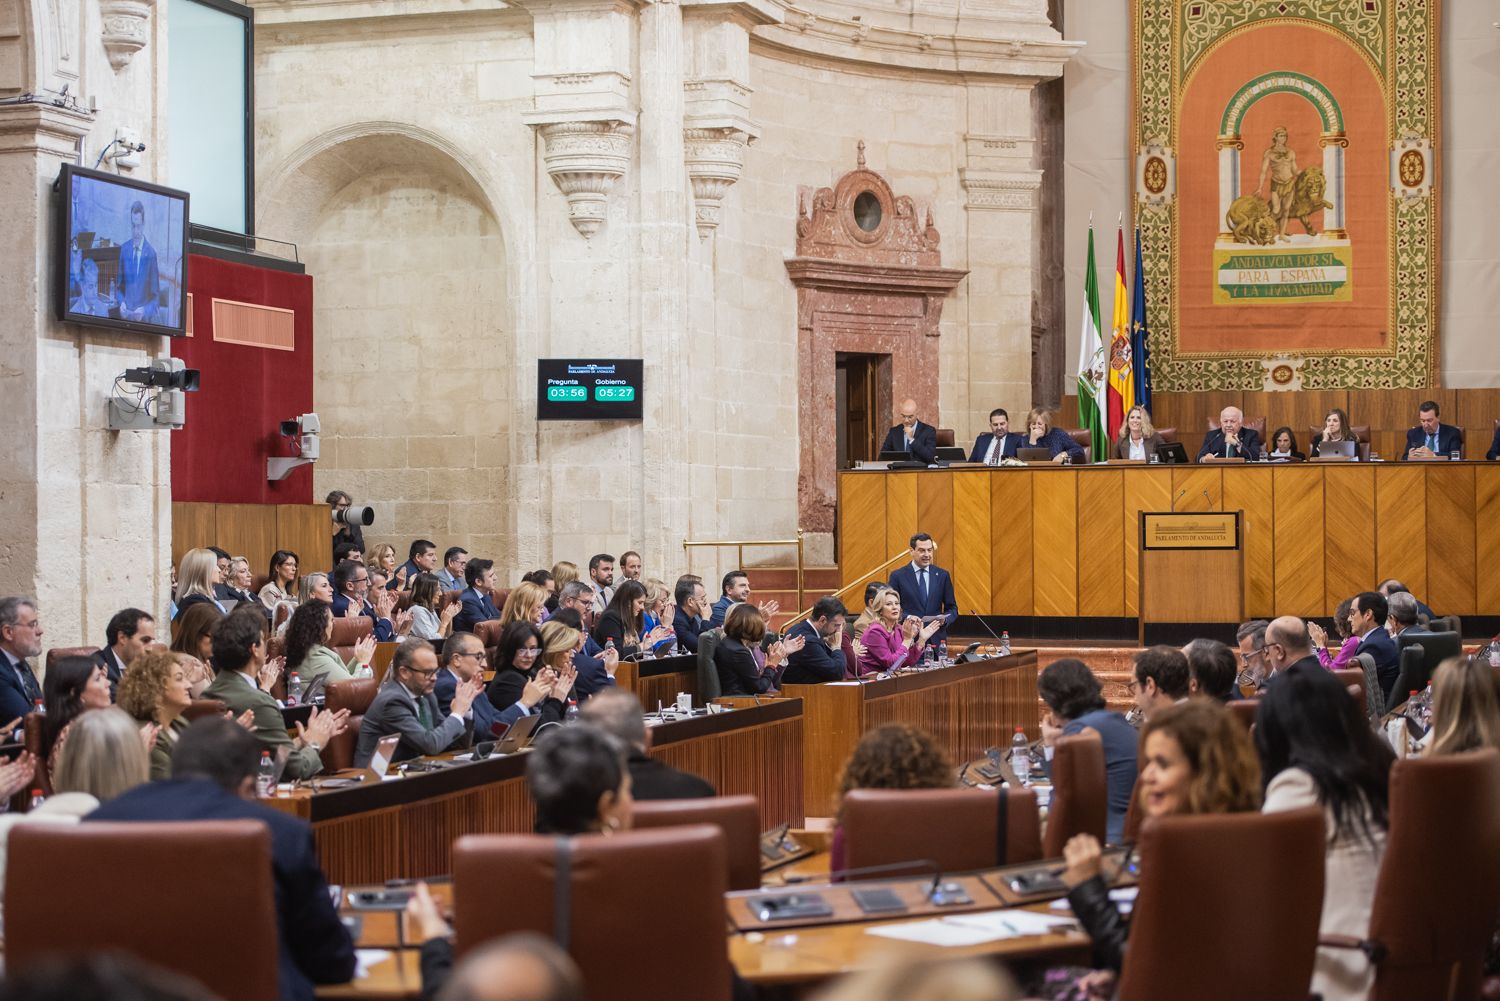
(293, 689)
(1494, 649)
(609, 644)
(943, 652)
(37, 798)
(1426, 704)
(1413, 708)
(1020, 756)
(572, 714)
(265, 776)
(39, 708)
(365, 671)
(1004, 643)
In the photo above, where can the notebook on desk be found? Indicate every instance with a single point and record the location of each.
(1341, 449)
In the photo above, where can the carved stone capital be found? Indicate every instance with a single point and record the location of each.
(124, 30)
(585, 158)
(715, 157)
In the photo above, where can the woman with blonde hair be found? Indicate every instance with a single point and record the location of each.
(1138, 439)
(1465, 706)
(525, 603)
(890, 641)
(559, 644)
(315, 587)
(196, 576)
(382, 560)
(154, 690)
(1041, 434)
(563, 573)
(660, 611)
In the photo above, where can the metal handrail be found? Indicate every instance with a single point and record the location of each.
(859, 581)
(739, 547)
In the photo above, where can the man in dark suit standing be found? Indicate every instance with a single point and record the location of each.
(1431, 438)
(1367, 614)
(129, 632)
(476, 601)
(20, 638)
(926, 590)
(1231, 440)
(997, 443)
(821, 658)
(619, 714)
(406, 705)
(213, 778)
(140, 285)
(912, 436)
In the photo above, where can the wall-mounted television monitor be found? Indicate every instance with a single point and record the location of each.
(588, 389)
(122, 254)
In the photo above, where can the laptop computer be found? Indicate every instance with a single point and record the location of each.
(1172, 453)
(519, 734)
(1347, 449)
(1034, 454)
(380, 761)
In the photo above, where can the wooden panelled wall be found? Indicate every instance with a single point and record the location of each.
(1062, 541)
(1389, 412)
(255, 531)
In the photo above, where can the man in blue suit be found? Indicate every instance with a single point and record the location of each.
(912, 436)
(997, 443)
(1367, 614)
(351, 585)
(1231, 439)
(821, 658)
(477, 605)
(140, 286)
(1431, 437)
(20, 638)
(213, 778)
(689, 621)
(926, 591)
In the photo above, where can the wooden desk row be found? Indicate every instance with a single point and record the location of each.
(1062, 541)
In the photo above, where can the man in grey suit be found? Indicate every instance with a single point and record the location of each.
(406, 705)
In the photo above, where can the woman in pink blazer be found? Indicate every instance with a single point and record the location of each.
(891, 643)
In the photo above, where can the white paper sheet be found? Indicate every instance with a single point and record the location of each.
(366, 958)
(972, 929)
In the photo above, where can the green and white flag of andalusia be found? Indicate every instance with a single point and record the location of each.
(1091, 371)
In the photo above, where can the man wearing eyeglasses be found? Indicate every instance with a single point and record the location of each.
(1160, 679)
(351, 585)
(1288, 644)
(406, 705)
(1251, 640)
(463, 660)
(20, 638)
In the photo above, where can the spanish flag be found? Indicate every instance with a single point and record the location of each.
(1121, 393)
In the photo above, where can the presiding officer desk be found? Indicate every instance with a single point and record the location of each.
(1063, 541)
(405, 828)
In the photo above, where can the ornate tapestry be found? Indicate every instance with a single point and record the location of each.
(1285, 170)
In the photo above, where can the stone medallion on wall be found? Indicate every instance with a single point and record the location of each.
(869, 281)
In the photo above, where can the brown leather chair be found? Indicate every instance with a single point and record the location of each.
(1354, 676)
(31, 740)
(1439, 882)
(58, 900)
(507, 883)
(259, 581)
(1250, 888)
(199, 708)
(1085, 439)
(488, 632)
(1244, 710)
(737, 816)
(1134, 816)
(356, 697)
(1080, 796)
(347, 632)
(275, 647)
(67, 651)
(1167, 434)
(1256, 424)
(959, 829)
(944, 437)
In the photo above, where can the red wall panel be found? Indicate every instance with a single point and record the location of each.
(231, 429)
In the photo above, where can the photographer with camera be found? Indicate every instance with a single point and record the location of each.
(348, 520)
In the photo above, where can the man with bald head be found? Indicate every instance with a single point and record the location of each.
(912, 436)
(519, 967)
(1232, 440)
(1288, 644)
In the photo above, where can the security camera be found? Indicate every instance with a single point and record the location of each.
(304, 433)
(158, 402)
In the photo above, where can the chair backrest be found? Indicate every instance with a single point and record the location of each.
(1085, 440)
(219, 931)
(488, 632)
(1446, 624)
(708, 674)
(66, 651)
(1080, 793)
(1421, 653)
(737, 816)
(1243, 711)
(959, 829)
(1167, 434)
(356, 697)
(347, 632)
(199, 708)
(1373, 690)
(508, 883)
(1439, 884)
(1256, 424)
(944, 437)
(31, 740)
(1228, 908)
(1355, 676)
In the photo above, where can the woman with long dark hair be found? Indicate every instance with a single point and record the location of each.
(307, 652)
(73, 686)
(624, 621)
(520, 686)
(1316, 750)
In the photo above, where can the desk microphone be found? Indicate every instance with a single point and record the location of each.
(1207, 498)
(986, 626)
(1180, 494)
(875, 870)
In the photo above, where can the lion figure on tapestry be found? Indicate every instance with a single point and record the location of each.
(1251, 220)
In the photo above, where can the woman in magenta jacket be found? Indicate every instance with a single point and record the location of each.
(890, 642)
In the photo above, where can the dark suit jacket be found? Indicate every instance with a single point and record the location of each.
(1007, 447)
(105, 658)
(651, 779)
(1058, 441)
(940, 599)
(476, 608)
(383, 630)
(815, 663)
(738, 672)
(13, 696)
(611, 627)
(923, 442)
(443, 689)
(394, 710)
(720, 609)
(687, 627)
(189, 602)
(1378, 643)
(1494, 452)
(1122, 446)
(505, 690)
(1249, 444)
(140, 284)
(593, 677)
(315, 947)
(1447, 436)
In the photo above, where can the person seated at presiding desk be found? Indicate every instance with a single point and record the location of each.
(1367, 614)
(1195, 759)
(462, 660)
(406, 705)
(997, 443)
(1076, 703)
(892, 642)
(308, 634)
(620, 715)
(1335, 429)
(351, 585)
(1138, 439)
(1041, 434)
(239, 653)
(523, 685)
(1283, 447)
(823, 656)
(478, 605)
(1316, 750)
(692, 614)
(893, 756)
(129, 632)
(926, 590)
(1231, 440)
(911, 436)
(739, 671)
(1431, 438)
(1212, 668)
(213, 778)
(155, 692)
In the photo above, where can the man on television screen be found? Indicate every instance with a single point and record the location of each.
(140, 290)
(89, 302)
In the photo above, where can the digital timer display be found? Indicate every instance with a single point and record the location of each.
(589, 389)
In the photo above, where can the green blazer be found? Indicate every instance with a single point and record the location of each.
(231, 688)
(321, 660)
(161, 751)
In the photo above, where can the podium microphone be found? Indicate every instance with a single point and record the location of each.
(986, 625)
